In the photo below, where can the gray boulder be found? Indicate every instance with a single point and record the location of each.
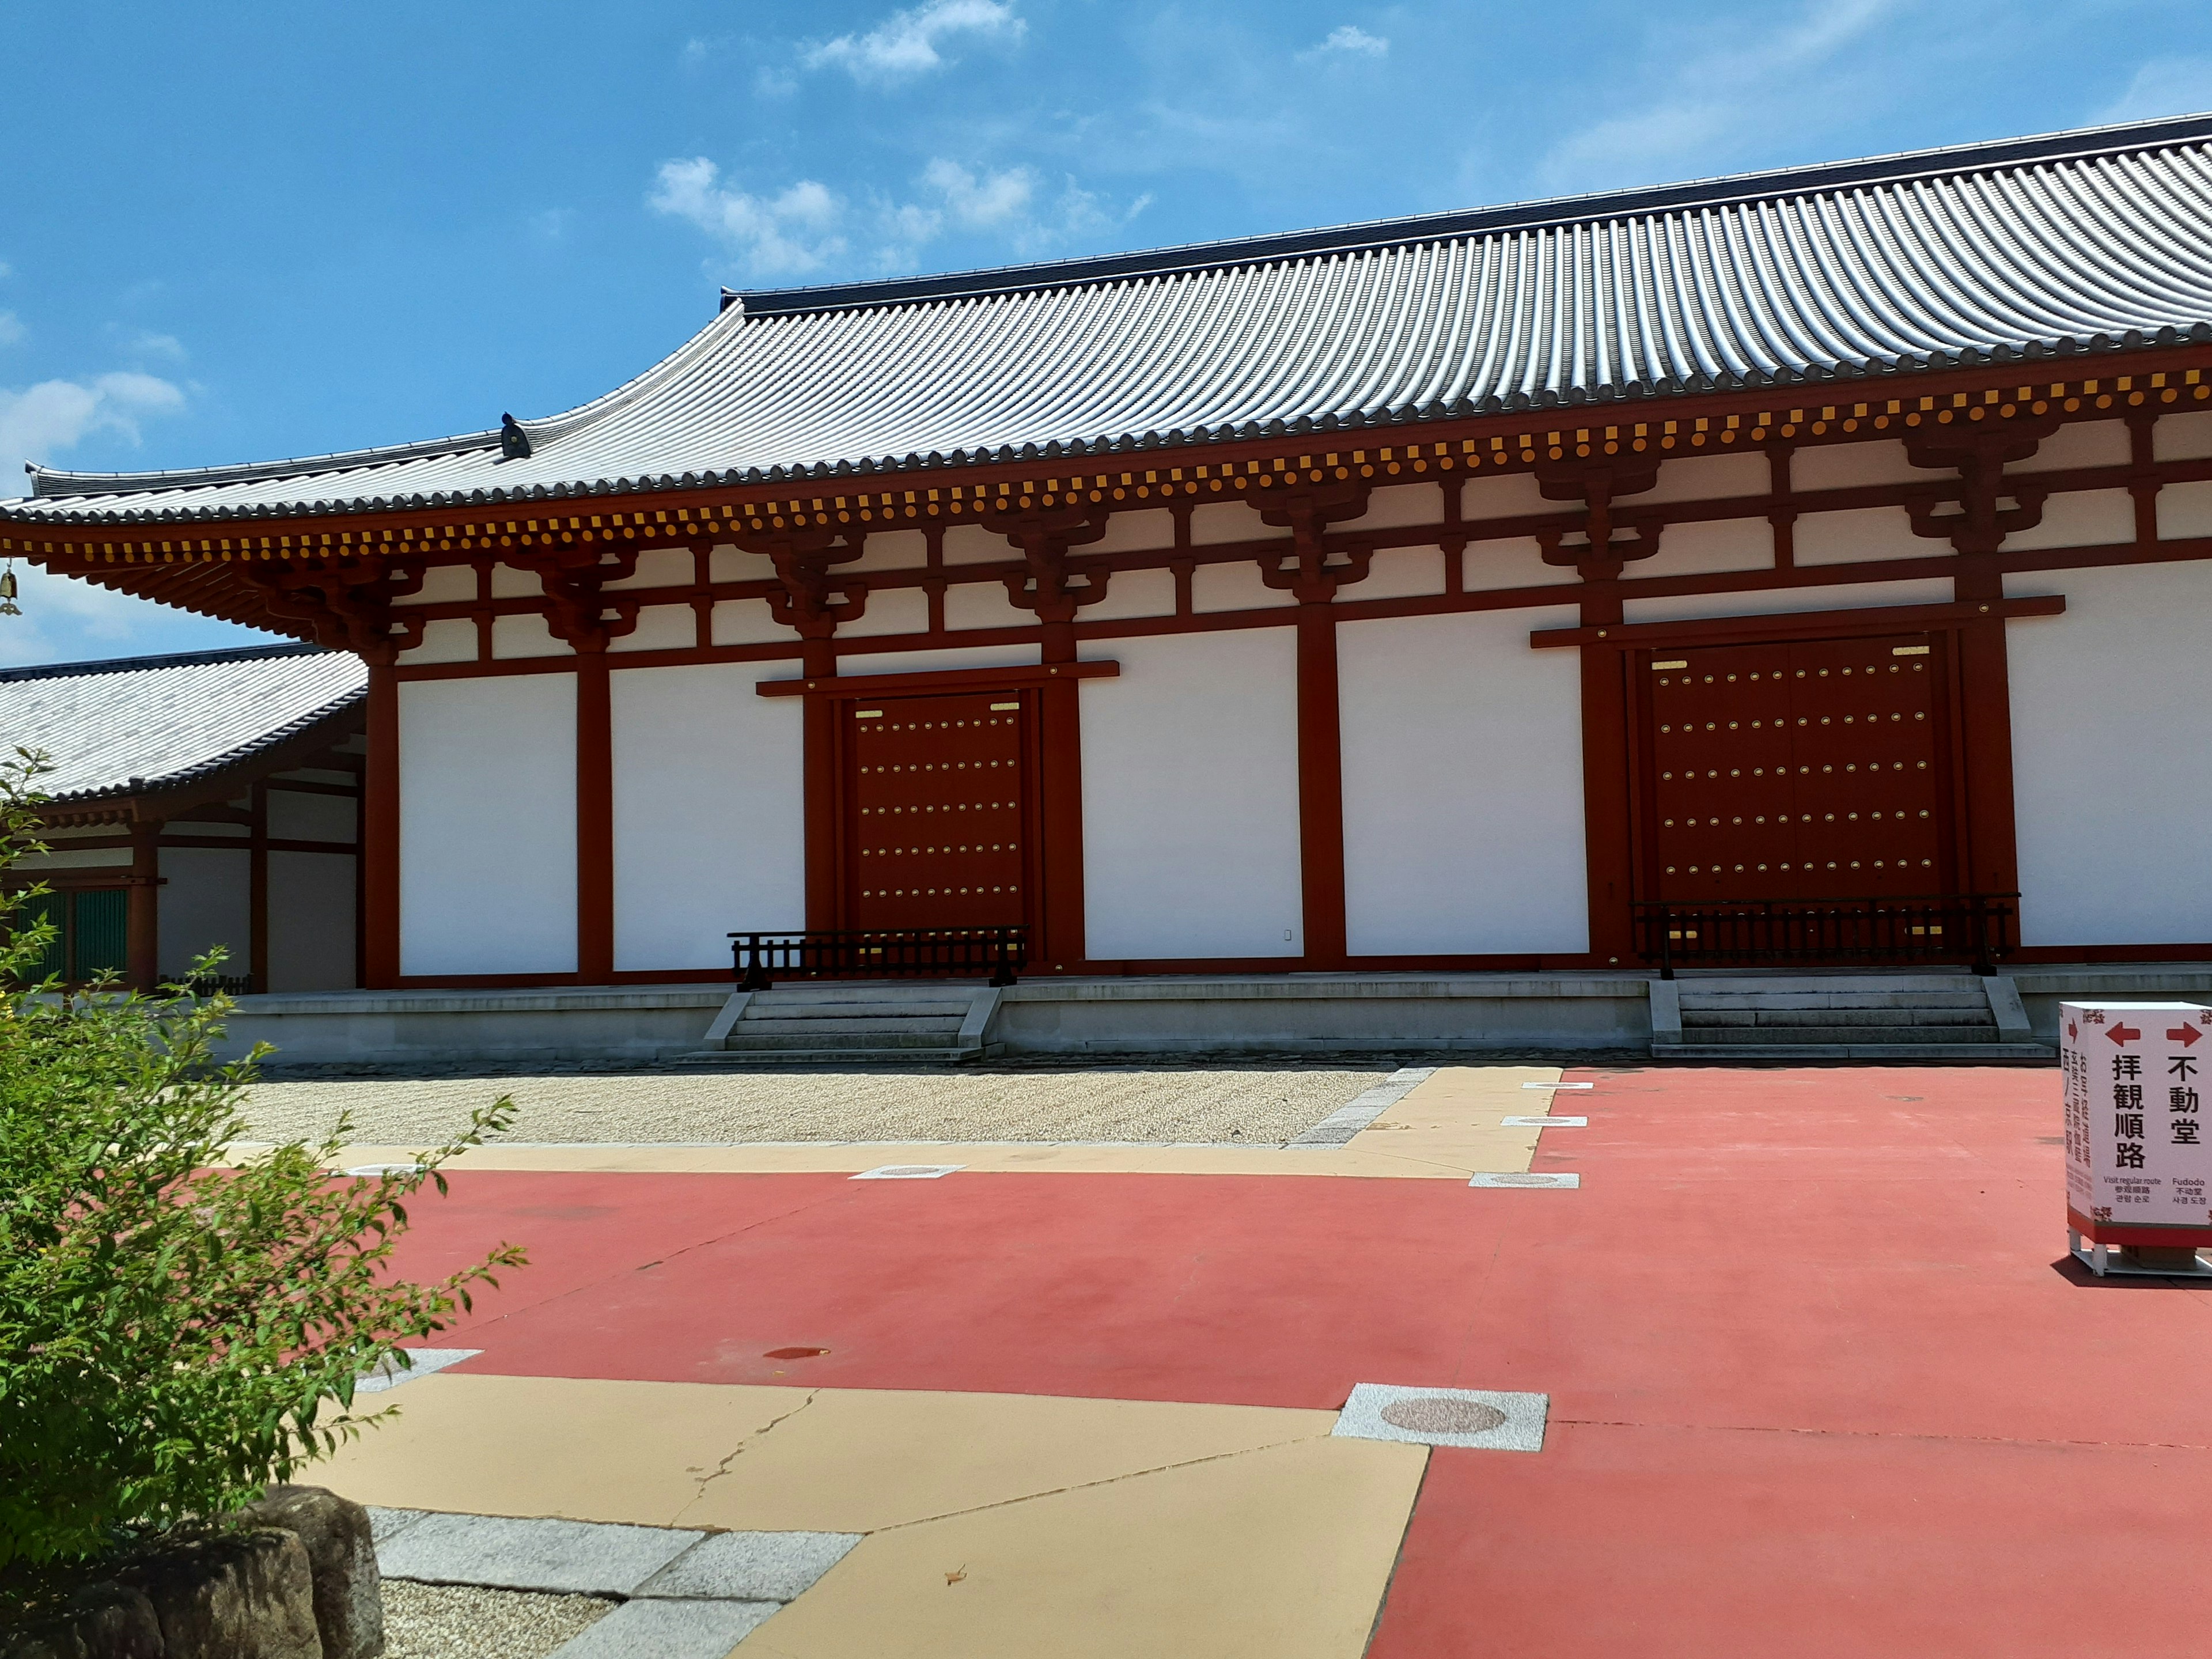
(236, 1596)
(341, 1556)
(102, 1621)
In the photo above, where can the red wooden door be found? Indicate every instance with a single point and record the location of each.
(1812, 770)
(939, 820)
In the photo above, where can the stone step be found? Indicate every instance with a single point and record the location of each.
(826, 1011)
(834, 1030)
(870, 990)
(1984, 1053)
(1700, 981)
(733, 1060)
(1828, 1035)
(1736, 1017)
(1699, 998)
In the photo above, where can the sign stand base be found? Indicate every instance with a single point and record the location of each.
(2104, 1259)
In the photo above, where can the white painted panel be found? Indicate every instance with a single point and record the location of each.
(451, 641)
(891, 610)
(709, 830)
(748, 621)
(1854, 596)
(1695, 549)
(2079, 443)
(1402, 504)
(90, 859)
(1516, 562)
(891, 550)
(488, 825)
(294, 817)
(1230, 521)
(1190, 799)
(927, 662)
(970, 544)
(1234, 585)
(2183, 437)
(2112, 710)
(659, 566)
(1462, 786)
(660, 628)
(510, 582)
(1865, 532)
(1133, 593)
(444, 584)
(2081, 518)
(734, 564)
(1847, 466)
(206, 900)
(1127, 532)
(311, 921)
(1510, 495)
(984, 604)
(2185, 509)
(524, 637)
(1706, 478)
(1398, 573)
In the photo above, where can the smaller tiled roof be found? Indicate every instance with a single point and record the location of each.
(138, 725)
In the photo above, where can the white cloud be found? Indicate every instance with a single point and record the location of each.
(786, 234)
(38, 422)
(1719, 95)
(1349, 41)
(907, 43)
(11, 328)
(167, 347)
(2164, 86)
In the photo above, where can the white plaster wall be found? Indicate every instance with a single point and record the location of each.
(748, 621)
(1696, 550)
(1398, 573)
(1144, 531)
(525, 635)
(452, 640)
(1846, 466)
(1509, 495)
(734, 564)
(2080, 517)
(2111, 718)
(1230, 521)
(661, 627)
(206, 899)
(970, 544)
(511, 582)
(444, 584)
(1462, 786)
(2185, 509)
(1190, 799)
(1515, 562)
(1705, 478)
(311, 921)
(2183, 437)
(891, 610)
(296, 817)
(1861, 533)
(1402, 504)
(985, 604)
(891, 550)
(922, 662)
(1845, 596)
(1131, 593)
(2079, 443)
(658, 566)
(709, 830)
(1236, 585)
(488, 825)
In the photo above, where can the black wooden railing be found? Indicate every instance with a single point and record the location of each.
(880, 953)
(1969, 928)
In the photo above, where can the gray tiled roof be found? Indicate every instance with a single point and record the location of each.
(2027, 249)
(139, 724)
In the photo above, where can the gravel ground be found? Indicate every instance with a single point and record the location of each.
(1186, 1104)
(460, 1621)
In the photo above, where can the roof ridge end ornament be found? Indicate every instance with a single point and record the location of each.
(514, 441)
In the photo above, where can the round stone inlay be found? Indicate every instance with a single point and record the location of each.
(1436, 1413)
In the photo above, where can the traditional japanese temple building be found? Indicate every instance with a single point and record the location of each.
(1508, 588)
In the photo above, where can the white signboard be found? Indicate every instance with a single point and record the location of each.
(2138, 1153)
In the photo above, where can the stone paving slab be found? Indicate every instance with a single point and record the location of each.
(1475, 1419)
(574, 1557)
(670, 1630)
(750, 1566)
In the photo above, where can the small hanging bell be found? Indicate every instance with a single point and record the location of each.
(8, 605)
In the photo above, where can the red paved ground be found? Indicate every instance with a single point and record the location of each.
(1819, 1385)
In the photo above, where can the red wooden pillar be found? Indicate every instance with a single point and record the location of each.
(380, 835)
(1320, 787)
(595, 819)
(825, 898)
(1608, 805)
(1988, 856)
(1059, 787)
(143, 909)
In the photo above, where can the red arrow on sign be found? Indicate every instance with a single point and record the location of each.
(2184, 1035)
(2072, 1031)
(2124, 1034)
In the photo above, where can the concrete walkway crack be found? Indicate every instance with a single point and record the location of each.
(723, 1468)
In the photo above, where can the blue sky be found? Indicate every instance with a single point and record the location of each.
(233, 232)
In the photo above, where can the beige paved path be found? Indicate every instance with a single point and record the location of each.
(1447, 1129)
(998, 1525)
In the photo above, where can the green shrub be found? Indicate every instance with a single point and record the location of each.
(176, 1333)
